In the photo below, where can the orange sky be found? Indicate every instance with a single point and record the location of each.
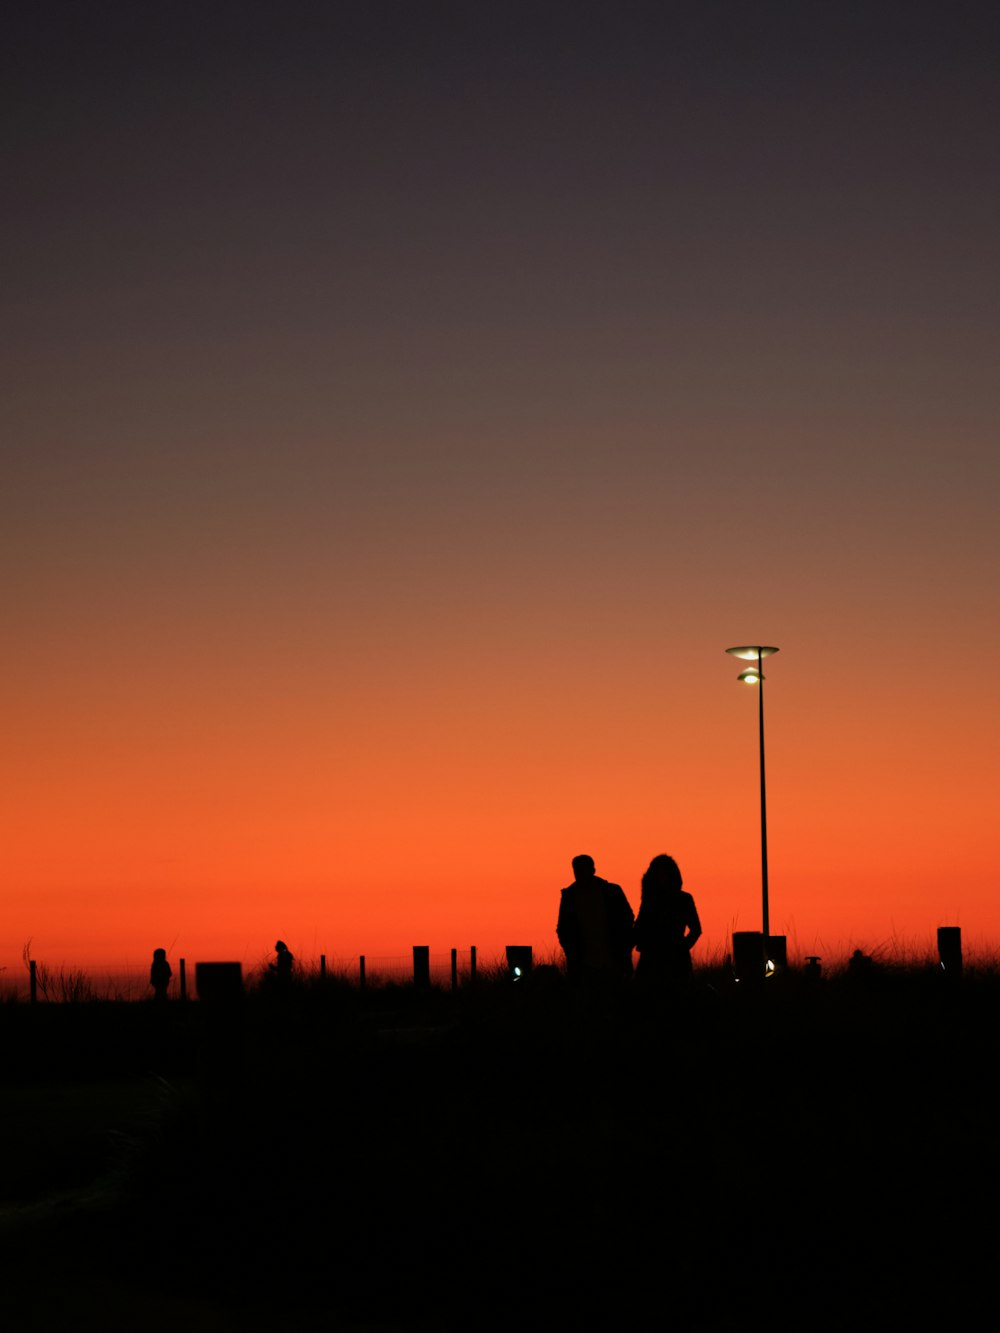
(443, 808)
(401, 423)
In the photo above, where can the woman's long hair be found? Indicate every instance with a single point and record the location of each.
(661, 879)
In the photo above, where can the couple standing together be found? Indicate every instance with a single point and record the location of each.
(597, 929)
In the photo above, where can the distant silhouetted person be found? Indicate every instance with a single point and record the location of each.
(667, 928)
(160, 974)
(281, 968)
(595, 925)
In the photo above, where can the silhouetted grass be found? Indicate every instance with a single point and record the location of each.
(517, 1152)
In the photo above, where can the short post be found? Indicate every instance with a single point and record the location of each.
(519, 960)
(33, 981)
(184, 980)
(422, 966)
(813, 968)
(949, 939)
(361, 971)
(777, 952)
(472, 963)
(454, 969)
(748, 957)
(322, 967)
(219, 984)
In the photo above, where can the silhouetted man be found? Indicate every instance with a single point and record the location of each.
(595, 925)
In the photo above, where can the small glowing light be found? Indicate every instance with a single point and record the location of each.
(769, 967)
(517, 972)
(750, 677)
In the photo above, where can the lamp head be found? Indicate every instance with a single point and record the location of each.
(750, 652)
(751, 676)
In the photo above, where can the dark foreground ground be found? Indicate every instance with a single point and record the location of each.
(514, 1156)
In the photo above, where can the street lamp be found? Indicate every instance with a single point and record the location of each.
(755, 676)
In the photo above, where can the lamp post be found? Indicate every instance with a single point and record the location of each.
(755, 676)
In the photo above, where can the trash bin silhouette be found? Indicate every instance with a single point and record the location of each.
(748, 957)
(219, 983)
(950, 948)
(519, 959)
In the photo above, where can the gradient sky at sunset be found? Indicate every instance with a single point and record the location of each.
(407, 403)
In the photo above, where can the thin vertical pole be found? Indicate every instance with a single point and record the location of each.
(33, 981)
(361, 971)
(472, 963)
(322, 967)
(766, 929)
(454, 969)
(184, 980)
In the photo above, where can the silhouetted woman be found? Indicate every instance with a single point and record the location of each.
(667, 927)
(160, 974)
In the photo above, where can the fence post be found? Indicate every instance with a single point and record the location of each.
(949, 940)
(184, 980)
(322, 967)
(472, 963)
(33, 981)
(361, 971)
(422, 966)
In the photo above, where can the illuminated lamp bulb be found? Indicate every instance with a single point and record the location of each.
(750, 677)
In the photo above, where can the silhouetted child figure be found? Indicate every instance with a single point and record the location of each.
(667, 927)
(160, 974)
(281, 968)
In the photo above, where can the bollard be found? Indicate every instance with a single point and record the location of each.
(184, 979)
(813, 970)
(777, 953)
(519, 960)
(949, 940)
(219, 983)
(748, 957)
(422, 966)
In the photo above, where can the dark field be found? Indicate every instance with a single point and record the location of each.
(514, 1155)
